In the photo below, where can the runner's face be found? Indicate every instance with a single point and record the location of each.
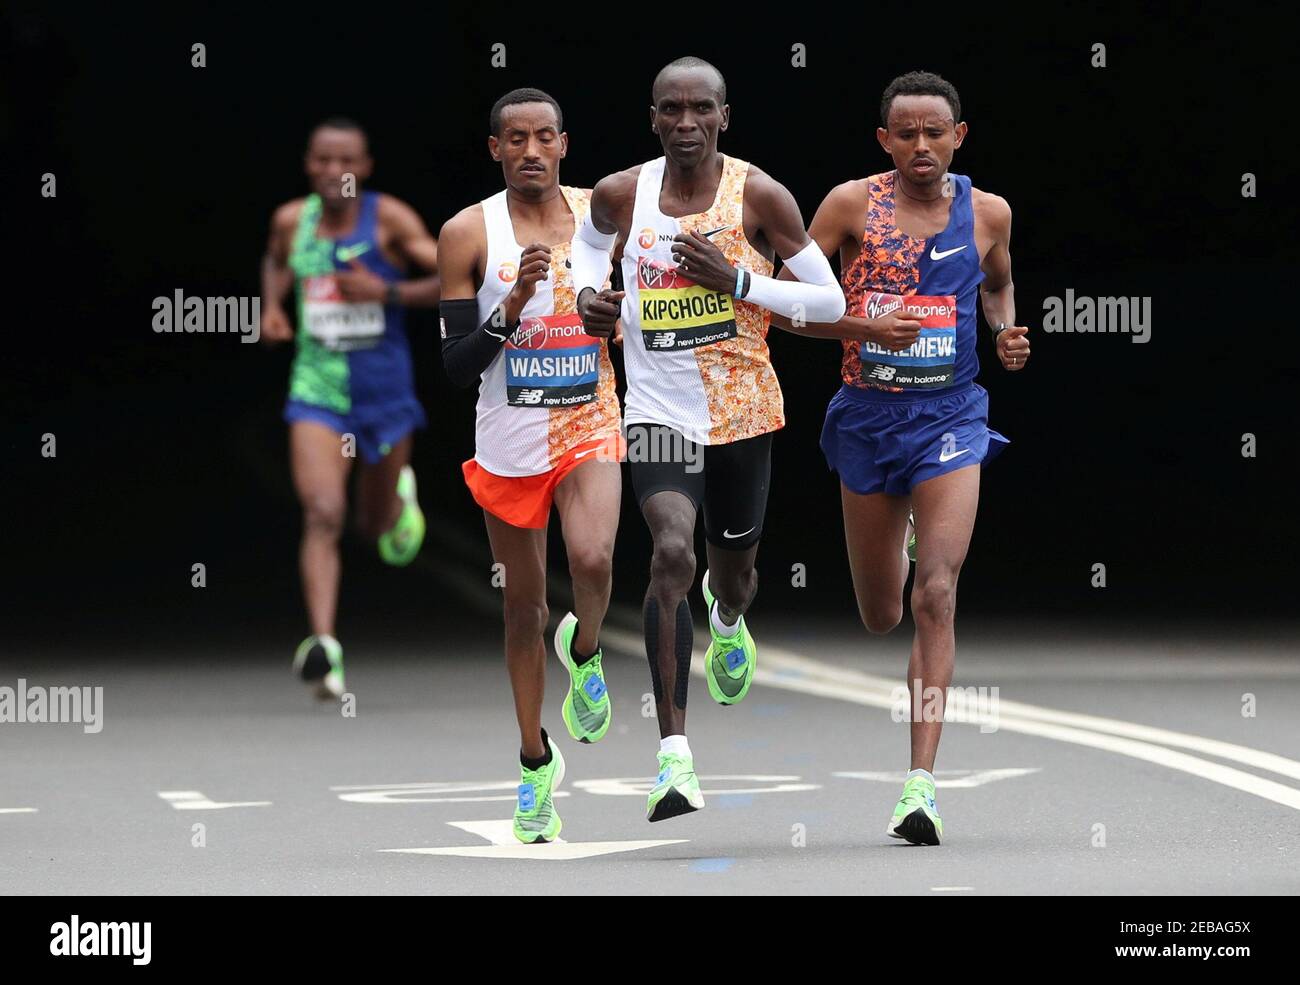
(688, 117)
(530, 148)
(330, 155)
(921, 137)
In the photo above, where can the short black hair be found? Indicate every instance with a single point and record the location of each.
(920, 84)
(515, 97)
(339, 123)
(690, 61)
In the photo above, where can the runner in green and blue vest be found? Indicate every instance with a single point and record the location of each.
(345, 252)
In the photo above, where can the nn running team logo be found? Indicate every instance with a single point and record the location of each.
(647, 238)
(507, 272)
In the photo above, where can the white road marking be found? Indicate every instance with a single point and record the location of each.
(193, 800)
(504, 845)
(17, 810)
(792, 664)
(951, 889)
(433, 793)
(458, 792)
(945, 779)
(635, 786)
(781, 668)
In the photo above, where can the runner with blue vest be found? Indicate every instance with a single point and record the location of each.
(346, 253)
(909, 424)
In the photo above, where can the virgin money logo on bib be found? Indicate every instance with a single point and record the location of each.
(532, 333)
(929, 361)
(657, 275)
(551, 362)
(322, 289)
(877, 305)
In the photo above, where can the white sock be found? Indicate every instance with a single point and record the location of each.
(675, 744)
(715, 619)
(925, 773)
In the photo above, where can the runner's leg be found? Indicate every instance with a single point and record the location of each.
(320, 472)
(588, 500)
(670, 635)
(945, 508)
(378, 505)
(522, 552)
(875, 527)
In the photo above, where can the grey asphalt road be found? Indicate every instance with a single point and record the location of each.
(427, 762)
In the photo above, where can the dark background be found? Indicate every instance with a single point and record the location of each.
(1123, 181)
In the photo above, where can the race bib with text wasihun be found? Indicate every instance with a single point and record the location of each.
(928, 362)
(676, 313)
(551, 362)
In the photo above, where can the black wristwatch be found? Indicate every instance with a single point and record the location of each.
(393, 295)
(998, 329)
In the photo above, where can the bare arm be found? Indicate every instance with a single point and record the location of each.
(779, 219)
(997, 292)
(277, 278)
(612, 200)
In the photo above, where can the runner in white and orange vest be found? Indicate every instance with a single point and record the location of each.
(699, 232)
(547, 429)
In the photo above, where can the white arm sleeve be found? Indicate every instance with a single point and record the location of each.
(590, 257)
(814, 297)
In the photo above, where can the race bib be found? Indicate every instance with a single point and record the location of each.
(677, 313)
(338, 324)
(551, 362)
(929, 361)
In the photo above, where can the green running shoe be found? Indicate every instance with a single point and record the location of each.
(319, 662)
(676, 791)
(911, 537)
(535, 816)
(400, 545)
(916, 818)
(587, 710)
(729, 661)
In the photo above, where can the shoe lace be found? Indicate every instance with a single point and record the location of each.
(669, 763)
(917, 792)
(534, 776)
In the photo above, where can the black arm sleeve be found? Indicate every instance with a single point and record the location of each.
(468, 348)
